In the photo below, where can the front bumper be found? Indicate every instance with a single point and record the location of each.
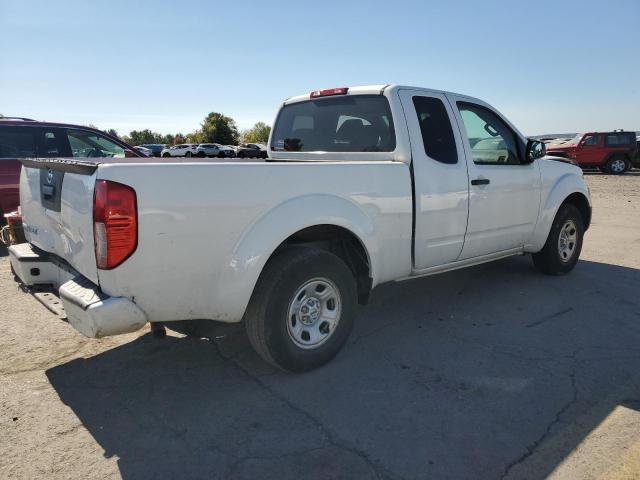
(88, 309)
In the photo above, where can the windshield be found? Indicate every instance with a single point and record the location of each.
(353, 123)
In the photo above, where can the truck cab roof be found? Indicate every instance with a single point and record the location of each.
(374, 90)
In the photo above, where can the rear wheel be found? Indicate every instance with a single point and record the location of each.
(188, 154)
(201, 154)
(302, 310)
(564, 243)
(240, 154)
(617, 165)
(165, 155)
(221, 155)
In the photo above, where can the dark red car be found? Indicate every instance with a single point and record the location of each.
(612, 152)
(22, 138)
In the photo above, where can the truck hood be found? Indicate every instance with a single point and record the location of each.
(561, 159)
(571, 165)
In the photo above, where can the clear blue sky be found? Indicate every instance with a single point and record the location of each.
(550, 66)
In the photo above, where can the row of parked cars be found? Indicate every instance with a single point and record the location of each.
(202, 150)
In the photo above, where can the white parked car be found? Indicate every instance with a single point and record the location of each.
(364, 186)
(214, 150)
(144, 150)
(182, 150)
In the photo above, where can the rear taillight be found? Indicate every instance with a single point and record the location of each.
(329, 92)
(115, 223)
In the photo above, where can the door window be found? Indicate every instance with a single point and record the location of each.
(590, 140)
(88, 144)
(492, 142)
(435, 126)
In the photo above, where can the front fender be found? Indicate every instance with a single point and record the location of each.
(555, 190)
(258, 242)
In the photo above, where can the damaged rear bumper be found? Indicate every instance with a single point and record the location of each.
(88, 309)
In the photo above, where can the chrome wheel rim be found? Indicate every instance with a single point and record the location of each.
(618, 166)
(314, 313)
(567, 241)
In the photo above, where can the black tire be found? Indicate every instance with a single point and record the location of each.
(263, 154)
(201, 154)
(165, 155)
(188, 154)
(550, 259)
(267, 319)
(240, 155)
(614, 165)
(221, 155)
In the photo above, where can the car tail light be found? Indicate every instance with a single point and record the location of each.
(115, 223)
(329, 92)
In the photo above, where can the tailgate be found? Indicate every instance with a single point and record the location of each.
(56, 198)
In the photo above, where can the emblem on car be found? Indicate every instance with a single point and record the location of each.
(50, 177)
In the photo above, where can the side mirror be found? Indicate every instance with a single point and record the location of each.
(128, 153)
(535, 150)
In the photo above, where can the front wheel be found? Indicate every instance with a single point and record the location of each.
(188, 154)
(165, 155)
(302, 310)
(564, 243)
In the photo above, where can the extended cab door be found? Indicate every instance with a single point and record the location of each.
(441, 183)
(504, 195)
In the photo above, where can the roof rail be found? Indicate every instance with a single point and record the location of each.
(18, 118)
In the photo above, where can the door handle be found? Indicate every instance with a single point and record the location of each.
(480, 181)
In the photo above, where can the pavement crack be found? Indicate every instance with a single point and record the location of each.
(329, 436)
(549, 317)
(531, 449)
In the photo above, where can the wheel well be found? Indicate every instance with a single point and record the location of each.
(613, 155)
(579, 201)
(342, 243)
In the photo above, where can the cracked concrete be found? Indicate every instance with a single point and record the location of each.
(491, 372)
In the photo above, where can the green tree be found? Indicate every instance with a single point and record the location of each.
(259, 133)
(217, 128)
(112, 132)
(178, 138)
(139, 137)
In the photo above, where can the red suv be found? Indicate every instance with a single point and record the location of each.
(612, 152)
(22, 138)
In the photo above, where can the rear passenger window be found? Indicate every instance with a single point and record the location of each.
(17, 142)
(614, 139)
(435, 126)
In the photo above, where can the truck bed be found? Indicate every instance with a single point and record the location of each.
(204, 223)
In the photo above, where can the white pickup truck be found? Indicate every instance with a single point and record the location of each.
(362, 186)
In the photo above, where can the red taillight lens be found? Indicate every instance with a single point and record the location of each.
(328, 92)
(115, 223)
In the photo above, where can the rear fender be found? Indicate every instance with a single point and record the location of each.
(262, 238)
